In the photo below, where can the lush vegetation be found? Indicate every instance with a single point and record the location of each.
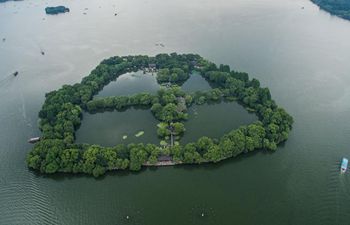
(174, 75)
(339, 8)
(61, 115)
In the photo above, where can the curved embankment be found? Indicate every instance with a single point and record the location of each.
(61, 115)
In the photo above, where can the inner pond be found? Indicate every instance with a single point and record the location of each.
(130, 84)
(112, 128)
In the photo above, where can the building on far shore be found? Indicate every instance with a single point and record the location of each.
(152, 66)
(165, 158)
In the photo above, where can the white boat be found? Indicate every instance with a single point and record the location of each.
(34, 140)
(344, 165)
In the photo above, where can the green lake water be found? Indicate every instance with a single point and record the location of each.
(131, 83)
(300, 54)
(108, 129)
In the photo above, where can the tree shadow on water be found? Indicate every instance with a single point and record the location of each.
(226, 162)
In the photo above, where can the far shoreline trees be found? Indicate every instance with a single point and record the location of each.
(61, 115)
(339, 8)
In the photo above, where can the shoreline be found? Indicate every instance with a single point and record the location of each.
(331, 8)
(160, 164)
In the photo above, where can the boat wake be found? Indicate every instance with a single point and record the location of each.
(6, 80)
(24, 111)
(335, 198)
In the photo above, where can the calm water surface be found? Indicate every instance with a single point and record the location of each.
(300, 54)
(215, 120)
(195, 83)
(130, 84)
(108, 129)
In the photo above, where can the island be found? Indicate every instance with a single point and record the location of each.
(339, 8)
(61, 116)
(56, 10)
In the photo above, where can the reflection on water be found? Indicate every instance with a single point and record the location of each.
(215, 120)
(196, 83)
(108, 128)
(131, 83)
(112, 128)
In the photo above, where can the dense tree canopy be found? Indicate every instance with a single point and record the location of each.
(174, 75)
(61, 115)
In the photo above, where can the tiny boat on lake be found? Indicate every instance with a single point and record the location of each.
(34, 140)
(344, 165)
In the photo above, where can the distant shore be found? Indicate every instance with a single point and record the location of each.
(10, 0)
(337, 8)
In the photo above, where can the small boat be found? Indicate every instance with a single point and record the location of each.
(344, 165)
(15, 73)
(42, 52)
(34, 140)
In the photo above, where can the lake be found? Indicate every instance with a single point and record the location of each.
(300, 54)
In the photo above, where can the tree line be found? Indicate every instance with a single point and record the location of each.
(339, 8)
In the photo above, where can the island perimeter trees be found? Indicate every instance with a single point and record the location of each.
(61, 116)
